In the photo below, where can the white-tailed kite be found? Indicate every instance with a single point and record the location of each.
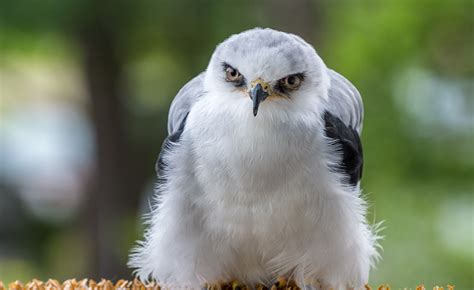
(259, 176)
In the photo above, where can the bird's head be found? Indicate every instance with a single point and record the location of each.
(267, 65)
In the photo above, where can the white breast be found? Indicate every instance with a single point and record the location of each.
(259, 174)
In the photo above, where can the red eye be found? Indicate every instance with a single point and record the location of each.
(233, 75)
(291, 82)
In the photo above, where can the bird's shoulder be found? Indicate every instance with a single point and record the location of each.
(347, 142)
(177, 116)
(345, 101)
(183, 101)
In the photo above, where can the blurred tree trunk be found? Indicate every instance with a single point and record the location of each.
(116, 192)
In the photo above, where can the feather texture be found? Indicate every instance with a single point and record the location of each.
(256, 198)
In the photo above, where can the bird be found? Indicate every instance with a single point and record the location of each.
(259, 177)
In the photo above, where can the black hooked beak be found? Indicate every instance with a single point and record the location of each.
(258, 95)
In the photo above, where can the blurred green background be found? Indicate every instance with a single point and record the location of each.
(85, 87)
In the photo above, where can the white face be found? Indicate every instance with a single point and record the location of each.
(263, 66)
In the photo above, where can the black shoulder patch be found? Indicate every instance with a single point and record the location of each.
(349, 141)
(172, 139)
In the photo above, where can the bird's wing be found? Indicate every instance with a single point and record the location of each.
(345, 101)
(178, 113)
(343, 123)
(183, 102)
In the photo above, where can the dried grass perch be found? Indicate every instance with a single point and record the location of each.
(88, 284)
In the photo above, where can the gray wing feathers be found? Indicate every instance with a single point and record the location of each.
(345, 101)
(183, 102)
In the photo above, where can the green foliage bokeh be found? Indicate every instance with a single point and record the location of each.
(420, 184)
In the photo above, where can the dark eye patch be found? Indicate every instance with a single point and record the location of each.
(280, 86)
(240, 83)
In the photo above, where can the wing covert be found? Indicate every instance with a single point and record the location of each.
(343, 125)
(345, 101)
(183, 102)
(178, 113)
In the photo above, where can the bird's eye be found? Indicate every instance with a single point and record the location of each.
(291, 82)
(233, 75)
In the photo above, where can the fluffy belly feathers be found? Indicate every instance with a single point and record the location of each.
(259, 184)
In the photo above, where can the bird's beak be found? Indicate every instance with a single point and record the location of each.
(259, 91)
